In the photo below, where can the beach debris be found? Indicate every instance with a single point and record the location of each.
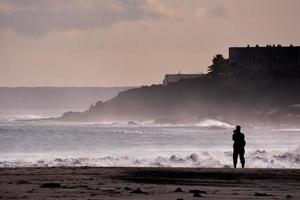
(128, 188)
(22, 182)
(110, 191)
(288, 196)
(68, 187)
(138, 191)
(132, 123)
(262, 194)
(198, 191)
(81, 186)
(50, 185)
(197, 194)
(178, 190)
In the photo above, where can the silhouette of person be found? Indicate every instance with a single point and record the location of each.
(238, 146)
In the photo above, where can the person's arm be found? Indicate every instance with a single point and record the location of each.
(244, 140)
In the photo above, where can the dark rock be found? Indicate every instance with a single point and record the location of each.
(180, 199)
(288, 196)
(68, 187)
(198, 191)
(81, 186)
(197, 194)
(51, 185)
(128, 188)
(262, 194)
(138, 191)
(109, 191)
(132, 123)
(22, 182)
(178, 190)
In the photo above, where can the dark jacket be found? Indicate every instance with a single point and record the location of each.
(239, 140)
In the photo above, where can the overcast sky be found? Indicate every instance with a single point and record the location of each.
(131, 42)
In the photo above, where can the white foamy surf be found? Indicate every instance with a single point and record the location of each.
(256, 159)
(142, 144)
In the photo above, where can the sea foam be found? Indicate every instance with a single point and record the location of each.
(254, 159)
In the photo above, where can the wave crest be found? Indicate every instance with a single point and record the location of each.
(214, 123)
(254, 159)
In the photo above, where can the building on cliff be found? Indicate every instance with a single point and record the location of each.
(268, 62)
(269, 58)
(173, 78)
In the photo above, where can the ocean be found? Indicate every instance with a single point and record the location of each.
(143, 144)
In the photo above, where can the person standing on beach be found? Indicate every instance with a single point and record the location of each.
(238, 146)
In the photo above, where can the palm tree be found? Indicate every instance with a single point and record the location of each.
(218, 65)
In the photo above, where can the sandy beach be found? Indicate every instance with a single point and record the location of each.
(148, 183)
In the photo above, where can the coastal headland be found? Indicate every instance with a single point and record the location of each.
(253, 85)
(148, 183)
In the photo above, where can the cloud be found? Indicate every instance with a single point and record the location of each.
(195, 9)
(38, 17)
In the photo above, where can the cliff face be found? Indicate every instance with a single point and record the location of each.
(230, 99)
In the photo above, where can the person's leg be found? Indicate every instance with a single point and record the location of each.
(235, 157)
(242, 157)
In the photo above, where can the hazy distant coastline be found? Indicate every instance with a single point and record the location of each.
(78, 98)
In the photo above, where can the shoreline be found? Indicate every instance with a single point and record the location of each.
(148, 183)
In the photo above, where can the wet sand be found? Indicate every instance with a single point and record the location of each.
(148, 183)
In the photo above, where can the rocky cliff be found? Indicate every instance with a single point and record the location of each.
(231, 99)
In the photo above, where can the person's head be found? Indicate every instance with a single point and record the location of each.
(238, 128)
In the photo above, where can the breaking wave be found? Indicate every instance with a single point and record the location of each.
(206, 123)
(214, 123)
(254, 159)
(22, 117)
